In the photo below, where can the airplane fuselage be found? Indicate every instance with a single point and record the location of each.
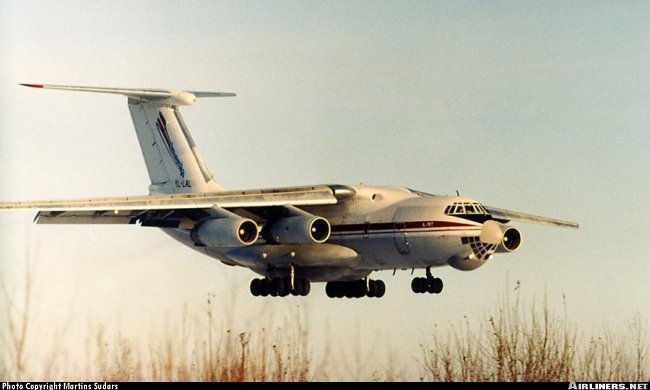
(375, 228)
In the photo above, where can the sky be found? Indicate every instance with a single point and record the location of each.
(536, 107)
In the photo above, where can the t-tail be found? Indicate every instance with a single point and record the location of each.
(170, 154)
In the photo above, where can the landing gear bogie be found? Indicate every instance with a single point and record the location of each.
(429, 284)
(356, 289)
(280, 287)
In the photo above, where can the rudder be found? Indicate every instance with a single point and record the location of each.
(170, 154)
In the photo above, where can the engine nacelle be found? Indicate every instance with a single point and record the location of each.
(225, 232)
(511, 240)
(300, 229)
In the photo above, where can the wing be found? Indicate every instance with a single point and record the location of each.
(507, 216)
(172, 210)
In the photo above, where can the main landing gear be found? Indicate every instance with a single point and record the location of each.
(429, 284)
(280, 287)
(356, 289)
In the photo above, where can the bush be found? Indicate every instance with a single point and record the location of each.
(515, 344)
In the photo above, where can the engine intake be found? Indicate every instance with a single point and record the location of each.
(511, 240)
(225, 232)
(301, 229)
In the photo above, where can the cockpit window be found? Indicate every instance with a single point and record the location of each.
(465, 208)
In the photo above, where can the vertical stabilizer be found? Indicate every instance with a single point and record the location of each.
(173, 160)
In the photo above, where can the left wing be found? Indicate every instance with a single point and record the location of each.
(171, 210)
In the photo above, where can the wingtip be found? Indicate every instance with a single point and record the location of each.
(31, 85)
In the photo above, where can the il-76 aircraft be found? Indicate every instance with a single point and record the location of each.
(338, 234)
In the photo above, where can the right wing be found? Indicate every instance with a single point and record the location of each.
(171, 210)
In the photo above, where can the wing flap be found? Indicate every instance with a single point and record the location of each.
(509, 215)
(83, 217)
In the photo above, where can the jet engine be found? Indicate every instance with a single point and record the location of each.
(225, 232)
(507, 238)
(299, 229)
(511, 240)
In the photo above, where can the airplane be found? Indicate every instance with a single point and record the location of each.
(290, 237)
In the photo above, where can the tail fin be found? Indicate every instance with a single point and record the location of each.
(172, 158)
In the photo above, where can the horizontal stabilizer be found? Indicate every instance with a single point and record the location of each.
(162, 96)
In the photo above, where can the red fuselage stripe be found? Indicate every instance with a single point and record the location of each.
(388, 227)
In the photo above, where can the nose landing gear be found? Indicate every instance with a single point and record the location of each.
(429, 284)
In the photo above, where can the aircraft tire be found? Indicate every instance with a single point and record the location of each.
(301, 287)
(430, 286)
(330, 290)
(284, 287)
(372, 289)
(276, 287)
(359, 288)
(419, 285)
(305, 287)
(295, 291)
(265, 287)
(381, 288)
(436, 285)
(255, 287)
(415, 285)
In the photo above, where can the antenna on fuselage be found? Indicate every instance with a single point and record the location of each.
(457, 193)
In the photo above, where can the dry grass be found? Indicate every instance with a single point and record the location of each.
(235, 357)
(276, 354)
(514, 343)
(15, 321)
(198, 349)
(203, 351)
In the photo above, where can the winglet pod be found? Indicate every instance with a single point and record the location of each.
(162, 96)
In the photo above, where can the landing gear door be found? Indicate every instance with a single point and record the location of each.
(401, 239)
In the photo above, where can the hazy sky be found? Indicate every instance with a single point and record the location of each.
(537, 107)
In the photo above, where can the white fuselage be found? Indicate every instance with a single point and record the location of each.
(377, 228)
